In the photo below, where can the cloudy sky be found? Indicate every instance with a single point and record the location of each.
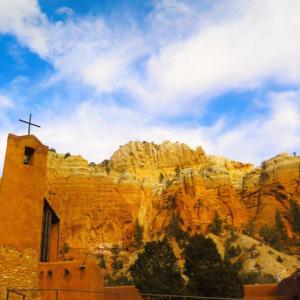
(96, 74)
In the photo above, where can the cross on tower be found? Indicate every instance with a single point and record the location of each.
(29, 124)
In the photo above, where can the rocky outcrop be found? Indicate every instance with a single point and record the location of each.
(270, 188)
(99, 204)
(150, 160)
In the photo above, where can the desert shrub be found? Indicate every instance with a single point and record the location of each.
(279, 259)
(116, 262)
(161, 177)
(171, 201)
(118, 281)
(255, 277)
(268, 234)
(198, 204)
(257, 266)
(67, 155)
(217, 224)
(249, 229)
(102, 263)
(174, 230)
(279, 227)
(233, 251)
(138, 234)
(295, 215)
(177, 171)
(107, 169)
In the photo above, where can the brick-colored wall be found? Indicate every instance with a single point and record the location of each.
(22, 193)
(70, 276)
(18, 269)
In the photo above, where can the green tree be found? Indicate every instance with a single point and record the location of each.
(156, 270)
(161, 177)
(255, 277)
(295, 215)
(174, 230)
(249, 229)
(279, 227)
(217, 224)
(102, 263)
(116, 262)
(177, 171)
(207, 274)
(268, 234)
(138, 234)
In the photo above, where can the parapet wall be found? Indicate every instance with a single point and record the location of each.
(73, 280)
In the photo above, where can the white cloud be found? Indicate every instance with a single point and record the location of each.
(278, 130)
(24, 19)
(190, 51)
(6, 102)
(258, 43)
(186, 54)
(96, 131)
(65, 11)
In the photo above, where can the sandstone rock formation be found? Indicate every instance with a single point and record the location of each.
(271, 187)
(100, 204)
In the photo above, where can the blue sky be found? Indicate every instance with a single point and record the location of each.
(97, 74)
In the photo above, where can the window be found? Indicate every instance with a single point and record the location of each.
(28, 155)
(49, 219)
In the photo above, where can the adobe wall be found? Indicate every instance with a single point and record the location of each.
(263, 292)
(71, 276)
(21, 208)
(22, 194)
(18, 269)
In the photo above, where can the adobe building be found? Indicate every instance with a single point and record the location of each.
(29, 229)
(286, 289)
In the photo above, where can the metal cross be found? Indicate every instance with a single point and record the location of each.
(29, 124)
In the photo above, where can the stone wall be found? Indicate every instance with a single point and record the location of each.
(18, 269)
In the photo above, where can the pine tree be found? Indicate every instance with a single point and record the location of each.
(161, 177)
(207, 274)
(174, 230)
(156, 271)
(279, 227)
(177, 171)
(138, 235)
(116, 262)
(102, 263)
(269, 235)
(216, 225)
(295, 215)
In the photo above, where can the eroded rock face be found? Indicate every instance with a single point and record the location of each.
(270, 188)
(149, 159)
(99, 204)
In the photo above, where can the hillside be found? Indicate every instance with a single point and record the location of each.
(151, 183)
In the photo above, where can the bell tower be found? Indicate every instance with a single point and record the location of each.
(22, 192)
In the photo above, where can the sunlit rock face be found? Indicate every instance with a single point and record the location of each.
(99, 204)
(270, 188)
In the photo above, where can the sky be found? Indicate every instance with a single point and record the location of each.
(97, 74)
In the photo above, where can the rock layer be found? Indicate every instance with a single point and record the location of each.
(99, 204)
